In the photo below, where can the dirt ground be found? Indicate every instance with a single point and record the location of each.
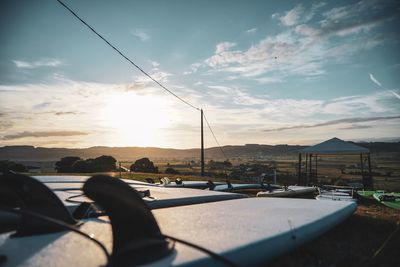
(371, 237)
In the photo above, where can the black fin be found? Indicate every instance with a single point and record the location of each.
(137, 239)
(210, 185)
(229, 184)
(25, 192)
(150, 180)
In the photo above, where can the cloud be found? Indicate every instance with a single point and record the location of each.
(293, 16)
(222, 47)
(349, 27)
(306, 30)
(42, 134)
(4, 125)
(144, 85)
(231, 108)
(395, 94)
(141, 34)
(357, 17)
(159, 76)
(269, 80)
(193, 68)
(42, 105)
(374, 80)
(251, 31)
(282, 53)
(334, 122)
(348, 105)
(356, 127)
(155, 64)
(223, 89)
(299, 14)
(306, 47)
(48, 62)
(61, 113)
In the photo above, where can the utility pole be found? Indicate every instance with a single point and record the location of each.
(202, 145)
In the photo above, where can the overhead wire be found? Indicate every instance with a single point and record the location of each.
(125, 57)
(141, 70)
(215, 138)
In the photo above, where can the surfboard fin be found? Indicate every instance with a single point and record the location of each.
(210, 185)
(24, 192)
(137, 239)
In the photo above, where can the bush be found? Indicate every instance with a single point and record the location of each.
(6, 166)
(77, 165)
(65, 164)
(170, 170)
(144, 165)
(82, 166)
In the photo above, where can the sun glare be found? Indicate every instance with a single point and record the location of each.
(136, 120)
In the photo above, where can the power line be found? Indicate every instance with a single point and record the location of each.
(215, 138)
(125, 57)
(141, 70)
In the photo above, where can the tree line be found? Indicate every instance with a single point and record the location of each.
(101, 164)
(78, 165)
(6, 166)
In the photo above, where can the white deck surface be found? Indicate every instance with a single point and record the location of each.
(248, 231)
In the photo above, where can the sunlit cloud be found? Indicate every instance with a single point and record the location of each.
(61, 113)
(42, 134)
(222, 47)
(4, 125)
(293, 16)
(334, 122)
(111, 114)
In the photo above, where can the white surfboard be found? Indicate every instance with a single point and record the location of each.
(160, 197)
(240, 187)
(189, 184)
(335, 198)
(336, 195)
(249, 232)
(292, 191)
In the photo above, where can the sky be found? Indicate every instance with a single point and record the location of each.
(264, 72)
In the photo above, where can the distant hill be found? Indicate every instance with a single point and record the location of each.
(31, 153)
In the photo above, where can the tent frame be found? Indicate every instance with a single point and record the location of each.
(306, 177)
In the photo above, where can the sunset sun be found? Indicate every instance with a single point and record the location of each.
(136, 120)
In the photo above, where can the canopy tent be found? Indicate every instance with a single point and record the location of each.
(334, 146)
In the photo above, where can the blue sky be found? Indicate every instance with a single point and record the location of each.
(264, 72)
